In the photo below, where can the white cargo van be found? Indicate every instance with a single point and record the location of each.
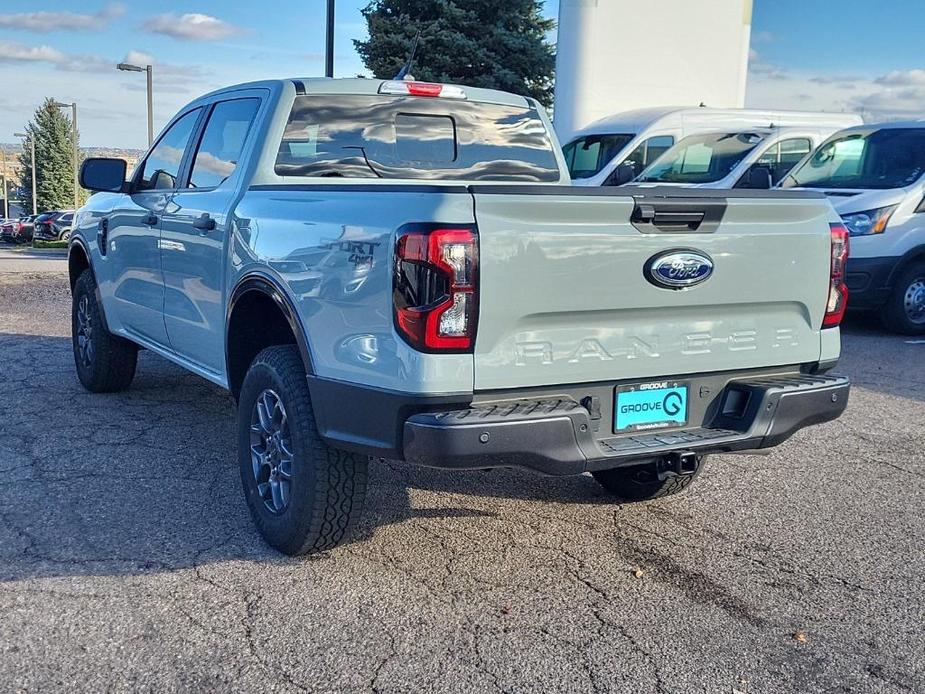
(637, 138)
(874, 175)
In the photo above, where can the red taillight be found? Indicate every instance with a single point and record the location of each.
(838, 291)
(424, 89)
(435, 288)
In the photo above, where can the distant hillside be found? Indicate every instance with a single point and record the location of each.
(14, 148)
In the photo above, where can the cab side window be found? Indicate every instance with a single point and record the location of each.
(222, 142)
(161, 169)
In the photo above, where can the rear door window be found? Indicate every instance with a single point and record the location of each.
(357, 136)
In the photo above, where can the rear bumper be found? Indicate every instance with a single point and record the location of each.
(554, 436)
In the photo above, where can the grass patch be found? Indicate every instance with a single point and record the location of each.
(49, 244)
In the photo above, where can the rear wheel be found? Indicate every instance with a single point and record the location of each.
(641, 482)
(105, 362)
(303, 495)
(905, 309)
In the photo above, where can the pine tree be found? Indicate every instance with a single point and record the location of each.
(499, 44)
(50, 128)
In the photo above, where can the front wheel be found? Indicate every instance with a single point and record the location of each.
(905, 309)
(303, 495)
(105, 362)
(642, 483)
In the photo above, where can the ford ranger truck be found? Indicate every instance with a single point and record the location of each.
(401, 269)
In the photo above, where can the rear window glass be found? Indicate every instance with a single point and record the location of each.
(416, 138)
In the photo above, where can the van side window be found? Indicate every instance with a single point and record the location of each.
(222, 142)
(161, 168)
(648, 151)
(779, 159)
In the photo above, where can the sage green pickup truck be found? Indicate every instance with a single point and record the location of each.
(402, 269)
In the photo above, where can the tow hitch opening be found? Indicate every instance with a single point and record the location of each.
(677, 464)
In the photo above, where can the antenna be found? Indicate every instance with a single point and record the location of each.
(405, 72)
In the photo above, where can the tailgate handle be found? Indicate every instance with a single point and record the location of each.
(677, 216)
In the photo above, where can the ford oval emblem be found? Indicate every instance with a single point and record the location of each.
(678, 269)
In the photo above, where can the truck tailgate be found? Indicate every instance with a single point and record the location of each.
(565, 299)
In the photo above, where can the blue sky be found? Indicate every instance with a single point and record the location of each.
(815, 54)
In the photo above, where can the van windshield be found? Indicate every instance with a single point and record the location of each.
(357, 136)
(876, 159)
(703, 158)
(586, 156)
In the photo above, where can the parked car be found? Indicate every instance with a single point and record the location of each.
(17, 230)
(401, 269)
(875, 177)
(54, 226)
(6, 230)
(616, 149)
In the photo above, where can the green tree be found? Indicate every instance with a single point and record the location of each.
(499, 44)
(50, 128)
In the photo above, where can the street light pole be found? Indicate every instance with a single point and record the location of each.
(149, 74)
(73, 107)
(329, 42)
(149, 69)
(32, 152)
(6, 202)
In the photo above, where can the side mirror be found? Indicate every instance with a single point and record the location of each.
(758, 178)
(622, 175)
(102, 174)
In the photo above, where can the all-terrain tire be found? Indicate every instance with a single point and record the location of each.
(641, 483)
(907, 294)
(326, 486)
(105, 362)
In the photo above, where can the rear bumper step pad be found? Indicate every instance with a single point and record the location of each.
(554, 436)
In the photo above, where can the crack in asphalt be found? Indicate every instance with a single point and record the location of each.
(122, 532)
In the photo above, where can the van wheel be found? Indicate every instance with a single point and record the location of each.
(105, 362)
(641, 482)
(303, 495)
(905, 309)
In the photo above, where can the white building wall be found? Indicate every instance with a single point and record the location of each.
(618, 55)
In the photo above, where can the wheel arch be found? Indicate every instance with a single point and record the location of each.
(252, 296)
(78, 260)
(913, 255)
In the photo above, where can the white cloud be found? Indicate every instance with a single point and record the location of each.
(139, 58)
(191, 27)
(896, 95)
(47, 22)
(903, 78)
(12, 52)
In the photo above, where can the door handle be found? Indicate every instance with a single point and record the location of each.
(204, 222)
(102, 234)
(149, 220)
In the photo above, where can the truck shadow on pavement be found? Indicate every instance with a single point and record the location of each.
(147, 480)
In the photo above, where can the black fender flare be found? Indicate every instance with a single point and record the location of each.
(263, 283)
(78, 242)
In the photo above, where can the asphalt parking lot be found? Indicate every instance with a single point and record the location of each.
(128, 560)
